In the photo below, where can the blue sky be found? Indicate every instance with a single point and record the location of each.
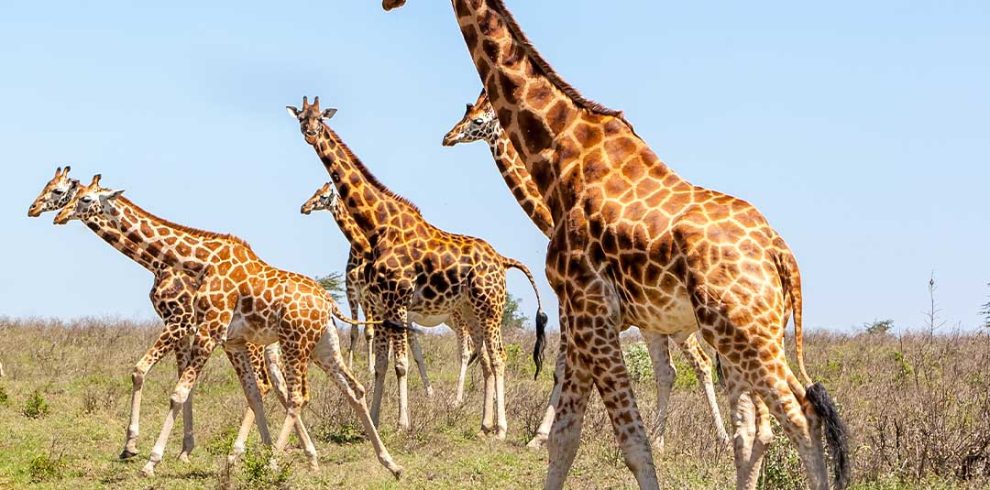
(859, 128)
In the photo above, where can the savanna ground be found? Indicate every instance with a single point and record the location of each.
(918, 407)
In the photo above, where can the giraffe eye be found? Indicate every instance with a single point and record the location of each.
(479, 121)
(57, 192)
(86, 199)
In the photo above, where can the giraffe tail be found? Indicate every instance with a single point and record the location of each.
(790, 277)
(539, 348)
(335, 311)
(836, 434)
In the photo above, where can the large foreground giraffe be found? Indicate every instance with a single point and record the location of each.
(171, 296)
(417, 267)
(240, 299)
(635, 243)
(360, 258)
(480, 123)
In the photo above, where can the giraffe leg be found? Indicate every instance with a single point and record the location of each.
(166, 342)
(400, 355)
(464, 342)
(753, 434)
(417, 351)
(188, 437)
(202, 346)
(702, 365)
(382, 345)
(487, 372)
(664, 374)
(296, 366)
(496, 353)
(543, 431)
(327, 357)
(575, 388)
(369, 343)
(354, 340)
(264, 360)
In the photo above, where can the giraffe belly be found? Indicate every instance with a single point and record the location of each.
(427, 320)
(666, 314)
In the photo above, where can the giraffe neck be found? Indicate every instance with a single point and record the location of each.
(166, 243)
(113, 236)
(517, 177)
(369, 203)
(350, 228)
(549, 123)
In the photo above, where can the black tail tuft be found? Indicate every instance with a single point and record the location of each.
(394, 326)
(474, 357)
(541, 341)
(836, 435)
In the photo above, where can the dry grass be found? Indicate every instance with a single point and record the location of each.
(918, 408)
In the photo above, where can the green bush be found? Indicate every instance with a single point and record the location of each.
(638, 363)
(36, 406)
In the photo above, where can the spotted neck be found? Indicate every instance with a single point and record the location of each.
(349, 227)
(168, 243)
(368, 202)
(517, 177)
(558, 133)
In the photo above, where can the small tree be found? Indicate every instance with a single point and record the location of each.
(512, 316)
(879, 327)
(985, 311)
(333, 282)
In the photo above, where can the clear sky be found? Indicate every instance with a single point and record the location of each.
(859, 128)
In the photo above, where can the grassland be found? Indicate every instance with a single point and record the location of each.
(918, 407)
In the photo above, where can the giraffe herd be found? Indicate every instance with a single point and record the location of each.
(630, 243)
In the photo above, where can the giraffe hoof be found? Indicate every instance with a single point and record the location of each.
(148, 471)
(396, 471)
(126, 454)
(429, 392)
(536, 443)
(184, 457)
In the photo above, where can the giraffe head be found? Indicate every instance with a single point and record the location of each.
(310, 118)
(479, 123)
(392, 4)
(324, 199)
(56, 193)
(90, 200)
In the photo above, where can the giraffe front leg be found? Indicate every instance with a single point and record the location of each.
(543, 431)
(417, 351)
(166, 342)
(464, 344)
(202, 347)
(664, 374)
(702, 365)
(400, 356)
(382, 345)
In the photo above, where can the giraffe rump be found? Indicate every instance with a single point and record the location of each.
(836, 434)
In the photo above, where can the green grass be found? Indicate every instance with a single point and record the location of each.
(80, 373)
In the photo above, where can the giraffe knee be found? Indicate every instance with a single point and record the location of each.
(137, 378)
(400, 370)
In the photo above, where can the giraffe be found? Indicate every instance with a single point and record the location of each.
(170, 296)
(417, 267)
(479, 123)
(240, 299)
(325, 199)
(633, 242)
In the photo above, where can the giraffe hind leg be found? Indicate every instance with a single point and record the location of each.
(702, 365)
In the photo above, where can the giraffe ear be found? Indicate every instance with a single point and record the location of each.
(293, 111)
(115, 193)
(327, 114)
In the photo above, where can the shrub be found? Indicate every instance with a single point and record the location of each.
(36, 406)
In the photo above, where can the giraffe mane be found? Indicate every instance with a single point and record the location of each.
(543, 65)
(377, 184)
(209, 235)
